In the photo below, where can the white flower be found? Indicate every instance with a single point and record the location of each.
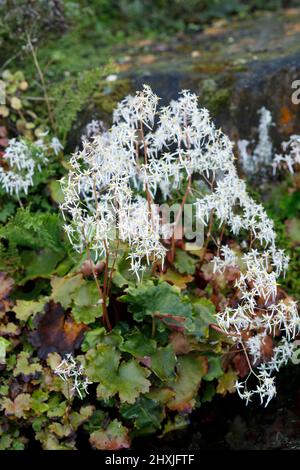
(69, 369)
(23, 161)
(55, 145)
(228, 259)
(263, 152)
(290, 159)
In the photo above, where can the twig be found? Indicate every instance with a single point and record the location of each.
(42, 78)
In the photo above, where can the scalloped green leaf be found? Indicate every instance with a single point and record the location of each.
(114, 437)
(148, 299)
(25, 309)
(146, 414)
(214, 368)
(184, 263)
(132, 381)
(138, 345)
(24, 367)
(63, 288)
(163, 363)
(190, 371)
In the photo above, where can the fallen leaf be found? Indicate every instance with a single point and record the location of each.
(56, 331)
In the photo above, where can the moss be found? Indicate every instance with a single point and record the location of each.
(215, 98)
(107, 98)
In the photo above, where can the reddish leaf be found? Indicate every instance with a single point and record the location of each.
(56, 331)
(267, 347)
(3, 131)
(6, 285)
(174, 322)
(3, 142)
(241, 364)
(180, 343)
(88, 266)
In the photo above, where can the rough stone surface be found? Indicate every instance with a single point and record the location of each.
(235, 67)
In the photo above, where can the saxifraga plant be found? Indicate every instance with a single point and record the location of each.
(147, 157)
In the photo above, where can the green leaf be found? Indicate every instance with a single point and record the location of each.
(56, 191)
(226, 383)
(214, 368)
(39, 264)
(138, 345)
(63, 288)
(86, 315)
(176, 279)
(208, 393)
(293, 231)
(190, 371)
(124, 276)
(86, 294)
(56, 407)
(179, 422)
(146, 415)
(17, 407)
(87, 305)
(128, 379)
(38, 401)
(99, 417)
(132, 381)
(102, 364)
(198, 325)
(184, 263)
(114, 437)
(150, 299)
(163, 363)
(77, 419)
(92, 338)
(24, 367)
(25, 309)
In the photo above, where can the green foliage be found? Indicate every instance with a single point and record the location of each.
(184, 263)
(140, 379)
(32, 244)
(71, 94)
(150, 298)
(145, 414)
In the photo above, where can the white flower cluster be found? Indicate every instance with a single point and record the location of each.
(227, 259)
(68, 369)
(93, 128)
(291, 157)
(150, 151)
(265, 388)
(22, 160)
(263, 152)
